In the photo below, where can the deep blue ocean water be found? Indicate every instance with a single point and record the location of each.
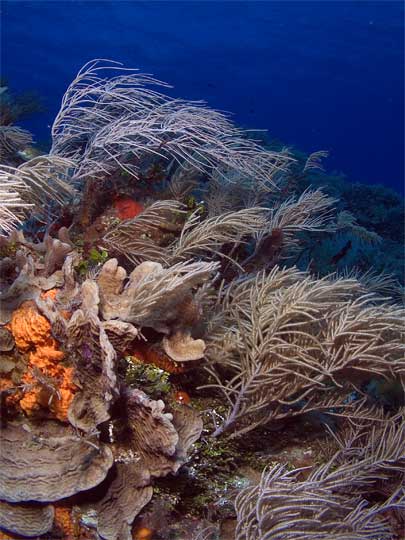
(318, 75)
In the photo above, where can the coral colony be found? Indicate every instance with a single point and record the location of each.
(175, 364)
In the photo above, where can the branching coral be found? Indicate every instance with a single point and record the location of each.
(45, 177)
(200, 237)
(346, 221)
(102, 121)
(33, 184)
(311, 212)
(12, 140)
(145, 237)
(348, 498)
(12, 205)
(294, 344)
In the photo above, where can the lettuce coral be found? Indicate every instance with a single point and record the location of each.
(25, 519)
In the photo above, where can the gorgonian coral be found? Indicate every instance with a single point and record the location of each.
(12, 140)
(167, 251)
(294, 344)
(350, 497)
(103, 121)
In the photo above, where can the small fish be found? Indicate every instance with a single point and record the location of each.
(340, 254)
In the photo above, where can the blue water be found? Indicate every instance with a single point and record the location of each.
(317, 75)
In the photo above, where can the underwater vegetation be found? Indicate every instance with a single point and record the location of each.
(14, 141)
(179, 359)
(371, 233)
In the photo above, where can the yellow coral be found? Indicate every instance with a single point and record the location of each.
(32, 334)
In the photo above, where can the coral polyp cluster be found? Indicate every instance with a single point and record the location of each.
(167, 366)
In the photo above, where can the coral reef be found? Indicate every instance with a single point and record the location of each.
(162, 347)
(15, 142)
(14, 108)
(300, 345)
(26, 520)
(350, 496)
(370, 217)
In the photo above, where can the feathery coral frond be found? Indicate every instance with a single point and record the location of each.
(12, 205)
(207, 236)
(314, 160)
(13, 139)
(110, 123)
(140, 239)
(291, 341)
(312, 211)
(331, 503)
(183, 181)
(42, 180)
(346, 221)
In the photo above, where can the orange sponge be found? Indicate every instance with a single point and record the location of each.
(32, 334)
(64, 521)
(127, 208)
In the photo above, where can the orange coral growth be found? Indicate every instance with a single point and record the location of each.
(67, 523)
(143, 533)
(182, 398)
(149, 354)
(49, 294)
(32, 333)
(64, 522)
(127, 208)
(29, 328)
(5, 384)
(12, 398)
